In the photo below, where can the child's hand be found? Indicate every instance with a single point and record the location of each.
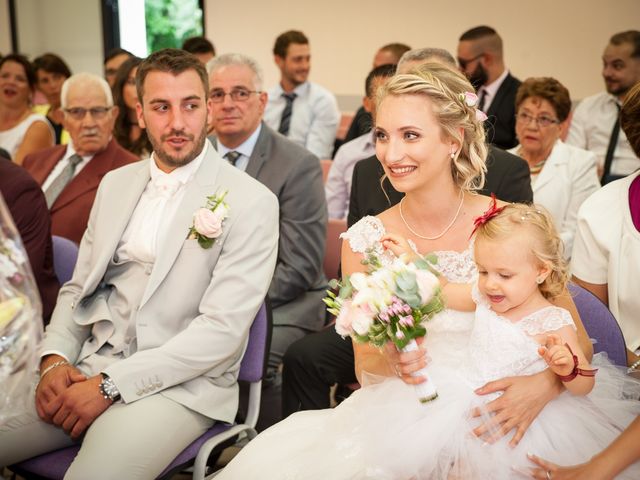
(399, 246)
(557, 355)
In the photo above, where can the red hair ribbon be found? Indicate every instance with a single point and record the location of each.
(488, 215)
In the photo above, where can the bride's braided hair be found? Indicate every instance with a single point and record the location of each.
(446, 88)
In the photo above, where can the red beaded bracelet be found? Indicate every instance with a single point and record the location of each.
(576, 371)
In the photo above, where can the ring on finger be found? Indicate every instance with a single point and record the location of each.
(548, 474)
(398, 372)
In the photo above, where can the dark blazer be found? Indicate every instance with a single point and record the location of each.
(501, 121)
(507, 176)
(28, 208)
(294, 175)
(70, 211)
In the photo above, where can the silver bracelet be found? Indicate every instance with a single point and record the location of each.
(634, 366)
(59, 363)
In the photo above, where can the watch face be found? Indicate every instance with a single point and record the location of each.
(109, 389)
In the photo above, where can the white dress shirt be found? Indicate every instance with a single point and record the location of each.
(338, 186)
(245, 149)
(491, 89)
(591, 127)
(62, 163)
(314, 117)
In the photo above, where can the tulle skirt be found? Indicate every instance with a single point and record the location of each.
(383, 432)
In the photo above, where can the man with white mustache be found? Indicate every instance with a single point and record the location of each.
(70, 174)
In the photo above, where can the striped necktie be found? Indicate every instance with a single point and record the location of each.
(61, 181)
(285, 120)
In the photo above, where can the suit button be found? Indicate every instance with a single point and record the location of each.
(73, 305)
(139, 392)
(158, 384)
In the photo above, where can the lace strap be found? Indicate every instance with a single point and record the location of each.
(547, 319)
(365, 234)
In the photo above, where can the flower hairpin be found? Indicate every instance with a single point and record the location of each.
(488, 215)
(471, 100)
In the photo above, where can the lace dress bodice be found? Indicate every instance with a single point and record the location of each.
(448, 331)
(364, 237)
(501, 348)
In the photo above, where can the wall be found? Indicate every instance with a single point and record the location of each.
(70, 28)
(562, 38)
(5, 28)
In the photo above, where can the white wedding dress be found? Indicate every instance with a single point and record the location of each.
(382, 431)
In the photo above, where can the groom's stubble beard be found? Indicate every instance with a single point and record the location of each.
(188, 157)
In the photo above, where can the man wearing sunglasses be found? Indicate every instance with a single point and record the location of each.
(481, 60)
(70, 174)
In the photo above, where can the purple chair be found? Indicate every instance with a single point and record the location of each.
(53, 465)
(600, 324)
(65, 255)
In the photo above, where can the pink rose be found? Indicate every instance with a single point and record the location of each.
(208, 223)
(427, 285)
(471, 99)
(352, 319)
(343, 322)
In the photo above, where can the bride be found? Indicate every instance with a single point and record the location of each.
(431, 146)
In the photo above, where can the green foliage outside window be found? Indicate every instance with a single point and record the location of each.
(170, 22)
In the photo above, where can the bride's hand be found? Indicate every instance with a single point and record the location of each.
(399, 246)
(522, 400)
(403, 364)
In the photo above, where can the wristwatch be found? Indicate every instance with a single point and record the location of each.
(108, 389)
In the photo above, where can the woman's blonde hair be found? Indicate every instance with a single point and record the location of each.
(546, 244)
(446, 88)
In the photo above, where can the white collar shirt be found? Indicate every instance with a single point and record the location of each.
(245, 149)
(491, 90)
(63, 162)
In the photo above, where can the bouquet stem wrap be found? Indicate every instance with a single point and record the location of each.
(426, 391)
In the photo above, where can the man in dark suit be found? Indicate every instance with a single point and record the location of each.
(70, 174)
(481, 60)
(507, 177)
(294, 175)
(28, 208)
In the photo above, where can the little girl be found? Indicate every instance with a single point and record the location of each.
(383, 432)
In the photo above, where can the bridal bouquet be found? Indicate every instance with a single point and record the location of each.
(389, 303)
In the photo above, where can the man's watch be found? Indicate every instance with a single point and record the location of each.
(108, 389)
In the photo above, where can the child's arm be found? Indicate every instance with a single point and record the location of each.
(560, 359)
(457, 296)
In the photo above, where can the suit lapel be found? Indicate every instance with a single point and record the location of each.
(550, 169)
(261, 152)
(118, 206)
(42, 167)
(200, 187)
(500, 95)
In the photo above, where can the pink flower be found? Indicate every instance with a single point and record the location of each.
(352, 318)
(427, 285)
(470, 98)
(208, 223)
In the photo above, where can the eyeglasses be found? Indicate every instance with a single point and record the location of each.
(237, 95)
(463, 63)
(97, 113)
(542, 121)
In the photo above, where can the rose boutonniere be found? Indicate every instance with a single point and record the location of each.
(208, 220)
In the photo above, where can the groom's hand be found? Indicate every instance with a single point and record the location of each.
(80, 405)
(522, 400)
(53, 384)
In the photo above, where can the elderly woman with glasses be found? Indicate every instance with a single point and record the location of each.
(562, 176)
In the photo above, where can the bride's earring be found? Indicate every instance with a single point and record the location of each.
(539, 280)
(453, 155)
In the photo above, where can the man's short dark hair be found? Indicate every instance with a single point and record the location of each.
(396, 49)
(114, 52)
(630, 36)
(51, 63)
(477, 32)
(287, 38)
(170, 60)
(29, 71)
(384, 71)
(198, 45)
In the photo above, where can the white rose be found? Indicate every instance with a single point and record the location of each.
(207, 223)
(427, 284)
(360, 321)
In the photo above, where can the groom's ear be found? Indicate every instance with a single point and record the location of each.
(140, 115)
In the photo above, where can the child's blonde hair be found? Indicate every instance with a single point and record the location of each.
(546, 244)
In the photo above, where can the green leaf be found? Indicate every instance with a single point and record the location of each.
(205, 242)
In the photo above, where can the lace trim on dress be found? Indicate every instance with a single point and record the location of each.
(546, 319)
(364, 237)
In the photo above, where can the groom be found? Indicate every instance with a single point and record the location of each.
(144, 346)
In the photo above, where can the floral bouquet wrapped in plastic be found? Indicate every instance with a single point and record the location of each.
(20, 320)
(389, 304)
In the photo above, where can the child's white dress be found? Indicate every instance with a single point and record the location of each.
(382, 432)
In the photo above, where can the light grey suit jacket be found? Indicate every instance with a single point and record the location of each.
(294, 175)
(193, 320)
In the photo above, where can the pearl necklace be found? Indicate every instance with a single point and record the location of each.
(446, 229)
